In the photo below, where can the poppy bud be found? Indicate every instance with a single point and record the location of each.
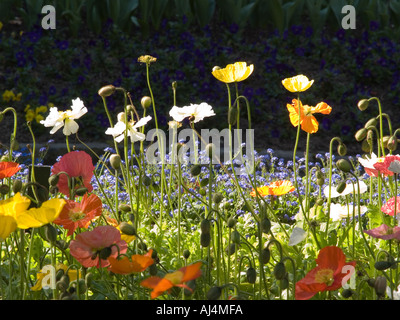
(147, 181)
(50, 233)
(347, 293)
(284, 283)
(127, 228)
(210, 150)
(251, 275)
(361, 134)
(105, 253)
(145, 102)
(231, 222)
(265, 225)
(81, 191)
(385, 140)
(202, 192)
(130, 108)
(17, 186)
(265, 256)
(232, 115)
(186, 254)
(342, 150)
(280, 271)
(205, 226)
(340, 188)
(53, 180)
(363, 104)
(4, 189)
(63, 283)
(319, 202)
(217, 197)
(235, 236)
(382, 265)
(392, 143)
(214, 293)
(204, 182)
(319, 175)
(344, 165)
(81, 285)
(115, 161)
(320, 182)
(366, 146)
(153, 269)
(142, 246)
(195, 170)
(59, 274)
(14, 144)
(88, 279)
(124, 207)
(380, 286)
(205, 239)
(371, 123)
(106, 91)
(174, 85)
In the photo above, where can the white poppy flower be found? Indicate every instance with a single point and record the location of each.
(58, 119)
(197, 111)
(118, 131)
(339, 212)
(346, 191)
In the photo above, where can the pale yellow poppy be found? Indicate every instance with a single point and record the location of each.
(236, 72)
(298, 83)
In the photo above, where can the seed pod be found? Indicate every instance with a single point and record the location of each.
(195, 170)
(231, 222)
(265, 225)
(204, 182)
(205, 239)
(280, 271)
(340, 188)
(106, 91)
(235, 236)
(115, 161)
(127, 228)
(344, 165)
(232, 115)
(205, 226)
(214, 293)
(363, 104)
(265, 256)
(382, 265)
(251, 275)
(361, 134)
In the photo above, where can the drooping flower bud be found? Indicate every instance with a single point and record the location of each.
(265, 225)
(127, 228)
(231, 222)
(280, 271)
(363, 104)
(392, 143)
(235, 236)
(344, 165)
(115, 161)
(195, 170)
(205, 226)
(17, 186)
(361, 134)
(53, 180)
(205, 239)
(217, 197)
(214, 293)
(382, 265)
(342, 150)
(380, 286)
(105, 253)
(145, 102)
(341, 186)
(251, 275)
(106, 91)
(186, 254)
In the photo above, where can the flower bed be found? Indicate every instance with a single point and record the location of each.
(176, 221)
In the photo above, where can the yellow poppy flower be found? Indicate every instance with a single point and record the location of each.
(308, 122)
(37, 217)
(7, 226)
(236, 72)
(276, 188)
(72, 275)
(298, 83)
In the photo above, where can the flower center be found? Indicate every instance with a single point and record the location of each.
(76, 215)
(324, 276)
(174, 277)
(307, 111)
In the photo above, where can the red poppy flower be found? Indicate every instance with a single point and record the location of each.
(93, 248)
(78, 165)
(388, 207)
(174, 279)
(8, 169)
(137, 263)
(383, 167)
(326, 276)
(75, 214)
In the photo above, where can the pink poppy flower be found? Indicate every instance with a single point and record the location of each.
(384, 232)
(79, 215)
(388, 207)
(93, 248)
(383, 167)
(78, 165)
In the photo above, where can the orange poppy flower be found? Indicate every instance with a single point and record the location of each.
(307, 120)
(276, 188)
(327, 275)
(8, 169)
(174, 279)
(138, 263)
